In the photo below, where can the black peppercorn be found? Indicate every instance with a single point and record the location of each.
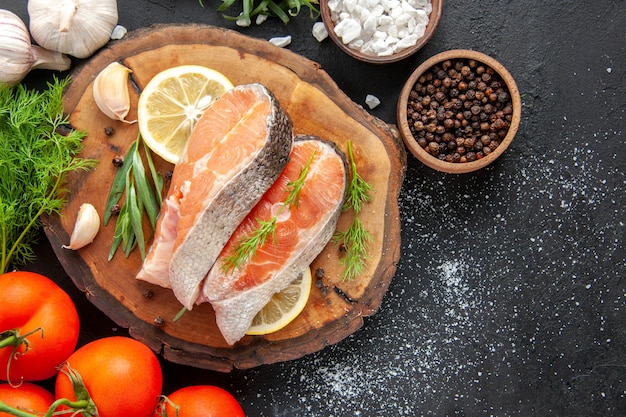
(118, 161)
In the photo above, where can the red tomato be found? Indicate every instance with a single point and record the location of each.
(30, 302)
(122, 375)
(202, 401)
(27, 396)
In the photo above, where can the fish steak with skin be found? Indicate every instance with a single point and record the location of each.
(302, 231)
(235, 153)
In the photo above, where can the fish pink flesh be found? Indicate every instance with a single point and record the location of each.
(301, 233)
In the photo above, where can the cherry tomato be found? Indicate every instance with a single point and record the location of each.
(201, 401)
(33, 307)
(27, 396)
(122, 375)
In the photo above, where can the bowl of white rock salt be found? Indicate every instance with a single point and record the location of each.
(380, 31)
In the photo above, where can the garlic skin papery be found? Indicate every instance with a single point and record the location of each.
(110, 91)
(18, 56)
(86, 227)
(75, 27)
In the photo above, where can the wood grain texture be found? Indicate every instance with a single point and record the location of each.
(317, 107)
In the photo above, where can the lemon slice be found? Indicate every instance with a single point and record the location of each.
(173, 102)
(283, 307)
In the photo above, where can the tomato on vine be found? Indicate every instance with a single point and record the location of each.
(199, 401)
(27, 396)
(122, 377)
(39, 327)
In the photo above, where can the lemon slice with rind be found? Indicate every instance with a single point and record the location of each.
(172, 103)
(284, 306)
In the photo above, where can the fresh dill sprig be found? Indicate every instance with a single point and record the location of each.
(141, 196)
(355, 240)
(246, 247)
(35, 156)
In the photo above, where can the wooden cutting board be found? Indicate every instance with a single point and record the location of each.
(335, 308)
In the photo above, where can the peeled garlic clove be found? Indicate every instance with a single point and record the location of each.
(86, 227)
(110, 91)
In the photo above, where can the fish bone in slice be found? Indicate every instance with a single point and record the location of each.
(302, 231)
(235, 153)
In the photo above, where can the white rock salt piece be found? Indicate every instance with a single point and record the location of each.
(319, 31)
(348, 30)
(369, 26)
(356, 44)
(260, 18)
(364, 14)
(392, 32)
(402, 20)
(281, 41)
(406, 42)
(419, 30)
(377, 10)
(395, 13)
(372, 101)
(391, 40)
(349, 5)
(385, 20)
(334, 5)
(118, 32)
(381, 48)
(421, 17)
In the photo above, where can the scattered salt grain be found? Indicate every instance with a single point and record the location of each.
(372, 101)
(281, 41)
(380, 27)
(118, 32)
(260, 18)
(319, 31)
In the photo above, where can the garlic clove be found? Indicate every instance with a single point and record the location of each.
(110, 91)
(86, 227)
(75, 27)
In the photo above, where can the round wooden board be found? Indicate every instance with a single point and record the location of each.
(317, 107)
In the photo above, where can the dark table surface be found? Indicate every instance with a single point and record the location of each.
(509, 297)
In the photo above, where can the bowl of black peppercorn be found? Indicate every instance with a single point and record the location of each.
(459, 111)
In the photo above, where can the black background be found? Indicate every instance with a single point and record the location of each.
(509, 297)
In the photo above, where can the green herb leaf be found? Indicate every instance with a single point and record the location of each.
(118, 186)
(283, 9)
(141, 196)
(355, 240)
(246, 248)
(34, 159)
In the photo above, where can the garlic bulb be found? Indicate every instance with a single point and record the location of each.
(110, 91)
(75, 27)
(18, 56)
(86, 227)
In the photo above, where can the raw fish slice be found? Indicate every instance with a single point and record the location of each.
(301, 234)
(237, 150)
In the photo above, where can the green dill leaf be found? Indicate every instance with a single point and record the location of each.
(34, 159)
(246, 248)
(355, 240)
(358, 189)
